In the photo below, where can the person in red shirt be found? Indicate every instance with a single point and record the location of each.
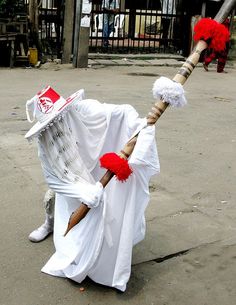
(221, 57)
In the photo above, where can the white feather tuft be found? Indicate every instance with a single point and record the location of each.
(169, 91)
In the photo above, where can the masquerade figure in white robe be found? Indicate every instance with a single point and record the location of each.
(100, 246)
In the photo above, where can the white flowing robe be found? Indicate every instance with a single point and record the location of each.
(100, 246)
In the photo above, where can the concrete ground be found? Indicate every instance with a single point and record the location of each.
(189, 253)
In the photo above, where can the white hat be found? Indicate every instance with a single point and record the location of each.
(46, 107)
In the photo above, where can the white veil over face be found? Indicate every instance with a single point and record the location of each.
(62, 153)
(73, 143)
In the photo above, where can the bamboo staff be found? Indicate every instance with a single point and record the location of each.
(158, 108)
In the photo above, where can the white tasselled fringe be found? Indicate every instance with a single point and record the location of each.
(57, 118)
(169, 91)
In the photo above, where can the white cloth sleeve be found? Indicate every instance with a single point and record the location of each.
(145, 153)
(88, 193)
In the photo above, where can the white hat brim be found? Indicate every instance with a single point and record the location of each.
(39, 127)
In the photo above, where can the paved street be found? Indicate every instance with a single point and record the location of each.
(189, 253)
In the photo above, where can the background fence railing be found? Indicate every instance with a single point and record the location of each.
(143, 32)
(51, 20)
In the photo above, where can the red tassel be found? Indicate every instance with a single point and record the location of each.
(213, 32)
(117, 165)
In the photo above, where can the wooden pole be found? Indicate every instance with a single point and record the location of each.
(68, 31)
(78, 14)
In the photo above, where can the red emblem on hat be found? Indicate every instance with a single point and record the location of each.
(45, 105)
(47, 98)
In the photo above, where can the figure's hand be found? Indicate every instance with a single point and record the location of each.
(92, 194)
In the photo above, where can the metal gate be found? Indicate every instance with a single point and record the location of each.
(51, 19)
(139, 27)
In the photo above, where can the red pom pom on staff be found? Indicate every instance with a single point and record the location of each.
(116, 165)
(213, 32)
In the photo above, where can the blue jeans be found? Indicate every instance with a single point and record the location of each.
(107, 30)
